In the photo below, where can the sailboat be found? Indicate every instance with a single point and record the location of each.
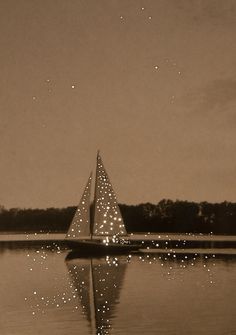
(99, 228)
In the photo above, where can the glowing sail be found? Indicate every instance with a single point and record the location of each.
(80, 225)
(107, 217)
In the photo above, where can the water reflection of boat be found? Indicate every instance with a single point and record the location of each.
(104, 230)
(97, 283)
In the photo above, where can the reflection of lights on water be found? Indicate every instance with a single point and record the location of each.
(168, 263)
(40, 302)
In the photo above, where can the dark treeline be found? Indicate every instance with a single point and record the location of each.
(166, 216)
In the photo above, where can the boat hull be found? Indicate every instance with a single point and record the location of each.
(99, 248)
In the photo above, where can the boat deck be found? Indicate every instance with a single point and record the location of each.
(148, 242)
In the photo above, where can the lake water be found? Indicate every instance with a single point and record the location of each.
(149, 293)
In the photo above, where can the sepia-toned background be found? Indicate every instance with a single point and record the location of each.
(149, 83)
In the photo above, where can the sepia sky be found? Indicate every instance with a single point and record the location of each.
(150, 83)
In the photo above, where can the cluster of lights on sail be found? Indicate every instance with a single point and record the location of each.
(98, 292)
(80, 225)
(107, 217)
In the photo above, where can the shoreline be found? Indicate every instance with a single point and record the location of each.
(132, 236)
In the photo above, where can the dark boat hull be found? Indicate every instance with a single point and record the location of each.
(95, 247)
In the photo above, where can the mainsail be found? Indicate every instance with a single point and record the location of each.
(80, 225)
(107, 217)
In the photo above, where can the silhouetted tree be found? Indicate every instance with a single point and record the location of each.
(166, 216)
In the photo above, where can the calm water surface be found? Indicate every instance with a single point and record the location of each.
(42, 293)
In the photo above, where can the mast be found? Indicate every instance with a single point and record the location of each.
(95, 198)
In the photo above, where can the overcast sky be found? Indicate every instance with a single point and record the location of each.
(150, 83)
